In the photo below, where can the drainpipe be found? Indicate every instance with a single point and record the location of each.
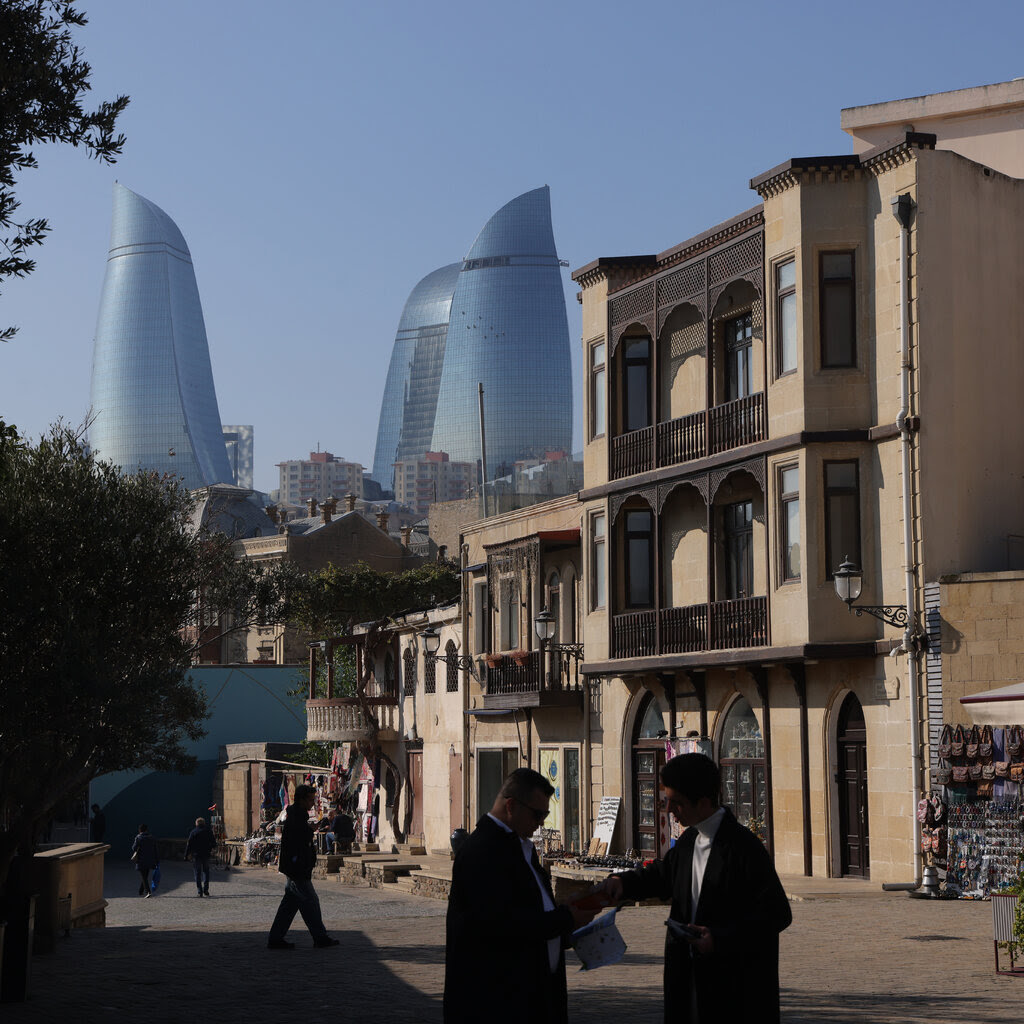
(903, 210)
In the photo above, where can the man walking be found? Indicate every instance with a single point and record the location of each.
(504, 935)
(728, 906)
(297, 859)
(200, 845)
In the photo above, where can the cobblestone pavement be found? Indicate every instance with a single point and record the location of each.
(853, 953)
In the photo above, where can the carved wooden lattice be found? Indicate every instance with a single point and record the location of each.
(686, 285)
(649, 494)
(507, 562)
(632, 307)
(699, 482)
(755, 467)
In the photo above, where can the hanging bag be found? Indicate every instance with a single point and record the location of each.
(946, 742)
(957, 745)
(1002, 769)
(973, 741)
(985, 747)
(944, 774)
(960, 773)
(974, 772)
(1014, 743)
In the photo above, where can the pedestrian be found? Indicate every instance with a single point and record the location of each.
(199, 846)
(146, 855)
(504, 959)
(728, 906)
(297, 859)
(342, 832)
(98, 825)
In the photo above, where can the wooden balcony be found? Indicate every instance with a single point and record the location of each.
(720, 625)
(511, 685)
(691, 437)
(341, 719)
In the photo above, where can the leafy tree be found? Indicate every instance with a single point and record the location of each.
(101, 573)
(43, 81)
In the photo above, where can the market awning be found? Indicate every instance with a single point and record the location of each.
(1001, 706)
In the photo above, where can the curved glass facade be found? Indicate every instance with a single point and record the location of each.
(153, 398)
(504, 325)
(406, 423)
(509, 331)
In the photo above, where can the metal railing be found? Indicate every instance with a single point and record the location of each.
(527, 675)
(699, 434)
(720, 625)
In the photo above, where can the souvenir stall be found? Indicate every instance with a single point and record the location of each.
(973, 824)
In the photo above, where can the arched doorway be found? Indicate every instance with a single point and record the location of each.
(650, 821)
(742, 761)
(852, 758)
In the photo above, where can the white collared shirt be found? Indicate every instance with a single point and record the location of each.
(706, 832)
(554, 945)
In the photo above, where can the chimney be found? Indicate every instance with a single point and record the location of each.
(350, 502)
(382, 520)
(329, 506)
(271, 511)
(406, 532)
(311, 505)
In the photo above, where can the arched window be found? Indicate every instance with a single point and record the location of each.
(452, 684)
(409, 660)
(650, 822)
(390, 679)
(429, 674)
(741, 756)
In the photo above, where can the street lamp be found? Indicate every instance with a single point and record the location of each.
(431, 638)
(545, 624)
(849, 581)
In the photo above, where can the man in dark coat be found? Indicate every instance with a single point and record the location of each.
(199, 846)
(297, 859)
(504, 958)
(725, 894)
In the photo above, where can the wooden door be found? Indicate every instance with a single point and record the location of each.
(455, 792)
(852, 776)
(416, 791)
(649, 812)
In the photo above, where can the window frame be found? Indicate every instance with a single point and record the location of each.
(828, 495)
(735, 557)
(781, 295)
(643, 362)
(834, 284)
(629, 535)
(598, 561)
(598, 389)
(784, 499)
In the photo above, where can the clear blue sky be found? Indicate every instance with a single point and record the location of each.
(321, 157)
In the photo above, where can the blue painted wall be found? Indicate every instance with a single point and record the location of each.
(248, 704)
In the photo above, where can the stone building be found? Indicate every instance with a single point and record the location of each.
(807, 384)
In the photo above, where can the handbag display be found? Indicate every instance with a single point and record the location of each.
(944, 774)
(1002, 769)
(1017, 772)
(985, 787)
(974, 772)
(988, 771)
(960, 773)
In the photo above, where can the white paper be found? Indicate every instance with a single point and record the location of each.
(599, 943)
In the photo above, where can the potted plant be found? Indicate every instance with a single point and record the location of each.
(520, 657)
(493, 660)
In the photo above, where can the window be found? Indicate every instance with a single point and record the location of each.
(738, 525)
(509, 616)
(842, 515)
(742, 761)
(789, 521)
(598, 564)
(785, 317)
(429, 674)
(452, 678)
(493, 767)
(409, 662)
(838, 310)
(739, 376)
(636, 411)
(598, 409)
(639, 546)
(481, 618)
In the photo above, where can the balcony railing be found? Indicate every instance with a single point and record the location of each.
(509, 679)
(720, 625)
(341, 719)
(695, 436)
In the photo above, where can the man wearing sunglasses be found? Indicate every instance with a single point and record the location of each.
(504, 958)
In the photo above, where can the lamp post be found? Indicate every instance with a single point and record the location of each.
(431, 638)
(849, 582)
(545, 626)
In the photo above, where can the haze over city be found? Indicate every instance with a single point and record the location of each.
(321, 160)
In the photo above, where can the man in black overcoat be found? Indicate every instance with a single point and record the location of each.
(726, 894)
(504, 958)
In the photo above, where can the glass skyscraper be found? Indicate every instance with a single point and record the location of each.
(506, 328)
(153, 399)
(406, 425)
